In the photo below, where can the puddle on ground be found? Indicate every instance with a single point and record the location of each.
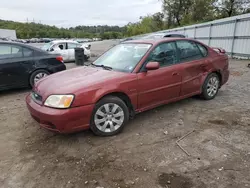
(218, 122)
(174, 181)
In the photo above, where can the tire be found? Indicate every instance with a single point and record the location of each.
(86, 58)
(210, 87)
(103, 116)
(34, 77)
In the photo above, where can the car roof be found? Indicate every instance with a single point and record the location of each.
(156, 41)
(22, 45)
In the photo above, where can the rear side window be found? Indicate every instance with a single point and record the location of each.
(5, 51)
(203, 50)
(10, 51)
(27, 52)
(188, 51)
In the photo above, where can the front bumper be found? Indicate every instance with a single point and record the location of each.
(60, 120)
(225, 76)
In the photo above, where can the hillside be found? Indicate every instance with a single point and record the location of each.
(35, 30)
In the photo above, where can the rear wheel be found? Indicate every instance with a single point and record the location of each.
(109, 116)
(211, 86)
(86, 58)
(37, 75)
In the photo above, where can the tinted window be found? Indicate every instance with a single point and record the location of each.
(10, 51)
(16, 51)
(165, 54)
(5, 51)
(72, 45)
(203, 50)
(188, 51)
(27, 52)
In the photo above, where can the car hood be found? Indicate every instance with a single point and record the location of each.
(73, 80)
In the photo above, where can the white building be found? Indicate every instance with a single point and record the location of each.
(7, 33)
(232, 34)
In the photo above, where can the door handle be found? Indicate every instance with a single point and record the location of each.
(175, 74)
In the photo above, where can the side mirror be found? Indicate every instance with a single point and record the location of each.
(153, 66)
(51, 49)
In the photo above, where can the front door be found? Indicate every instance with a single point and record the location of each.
(160, 86)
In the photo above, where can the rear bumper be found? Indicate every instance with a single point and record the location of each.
(57, 68)
(58, 120)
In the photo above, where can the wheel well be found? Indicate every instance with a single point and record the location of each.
(219, 75)
(37, 70)
(125, 99)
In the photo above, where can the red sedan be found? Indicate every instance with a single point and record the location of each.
(129, 78)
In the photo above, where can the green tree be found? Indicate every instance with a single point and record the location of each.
(227, 8)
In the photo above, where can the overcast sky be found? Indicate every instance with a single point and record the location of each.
(67, 13)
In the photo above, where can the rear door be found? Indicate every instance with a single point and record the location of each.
(14, 65)
(193, 61)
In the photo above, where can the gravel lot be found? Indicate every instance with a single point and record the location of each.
(145, 154)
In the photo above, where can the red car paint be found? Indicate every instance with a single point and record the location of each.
(145, 90)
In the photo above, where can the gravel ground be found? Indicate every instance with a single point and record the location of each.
(144, 155)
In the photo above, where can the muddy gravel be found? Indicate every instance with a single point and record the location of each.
(144, 155)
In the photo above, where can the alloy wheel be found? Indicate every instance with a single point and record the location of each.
(40, 76)
(109, 117)
(212, 86)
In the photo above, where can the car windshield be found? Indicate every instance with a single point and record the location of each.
(46, 46)
(123, 57)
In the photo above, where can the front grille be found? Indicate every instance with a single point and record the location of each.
(36, 97)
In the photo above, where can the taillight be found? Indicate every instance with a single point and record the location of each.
(59, 58)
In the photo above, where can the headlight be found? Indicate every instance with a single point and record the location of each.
(59, 101)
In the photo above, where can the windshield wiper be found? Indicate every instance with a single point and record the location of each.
(103, 66)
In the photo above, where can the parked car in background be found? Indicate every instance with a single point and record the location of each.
(163, 35)
(22, 65)
(34, 40)
(20, 40)
(131, 77)
(45, 40)
(67, 49)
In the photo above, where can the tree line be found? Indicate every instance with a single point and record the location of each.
(174, 13)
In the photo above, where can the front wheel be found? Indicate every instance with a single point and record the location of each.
(109, 116)
(210, 87)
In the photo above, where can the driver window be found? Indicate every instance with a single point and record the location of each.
(165, 54)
